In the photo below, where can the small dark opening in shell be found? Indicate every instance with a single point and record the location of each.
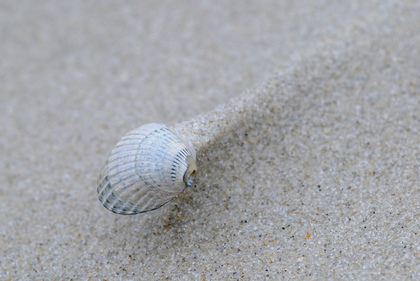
(191, 178)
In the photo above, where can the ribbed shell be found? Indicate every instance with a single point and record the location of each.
(149, 167)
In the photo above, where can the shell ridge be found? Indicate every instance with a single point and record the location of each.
(168, 158)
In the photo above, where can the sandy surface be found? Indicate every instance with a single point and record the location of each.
(311, 173)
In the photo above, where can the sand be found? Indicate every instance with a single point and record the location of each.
(304, 116)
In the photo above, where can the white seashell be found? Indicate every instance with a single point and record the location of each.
(147, 168)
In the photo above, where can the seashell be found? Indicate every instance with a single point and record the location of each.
(148, 167)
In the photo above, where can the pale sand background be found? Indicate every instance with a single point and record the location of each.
(313, 174)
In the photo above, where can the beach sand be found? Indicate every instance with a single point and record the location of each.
(304, 116)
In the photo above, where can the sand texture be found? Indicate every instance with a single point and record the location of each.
(304, 114)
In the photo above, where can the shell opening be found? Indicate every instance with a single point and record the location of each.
(190, 173)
